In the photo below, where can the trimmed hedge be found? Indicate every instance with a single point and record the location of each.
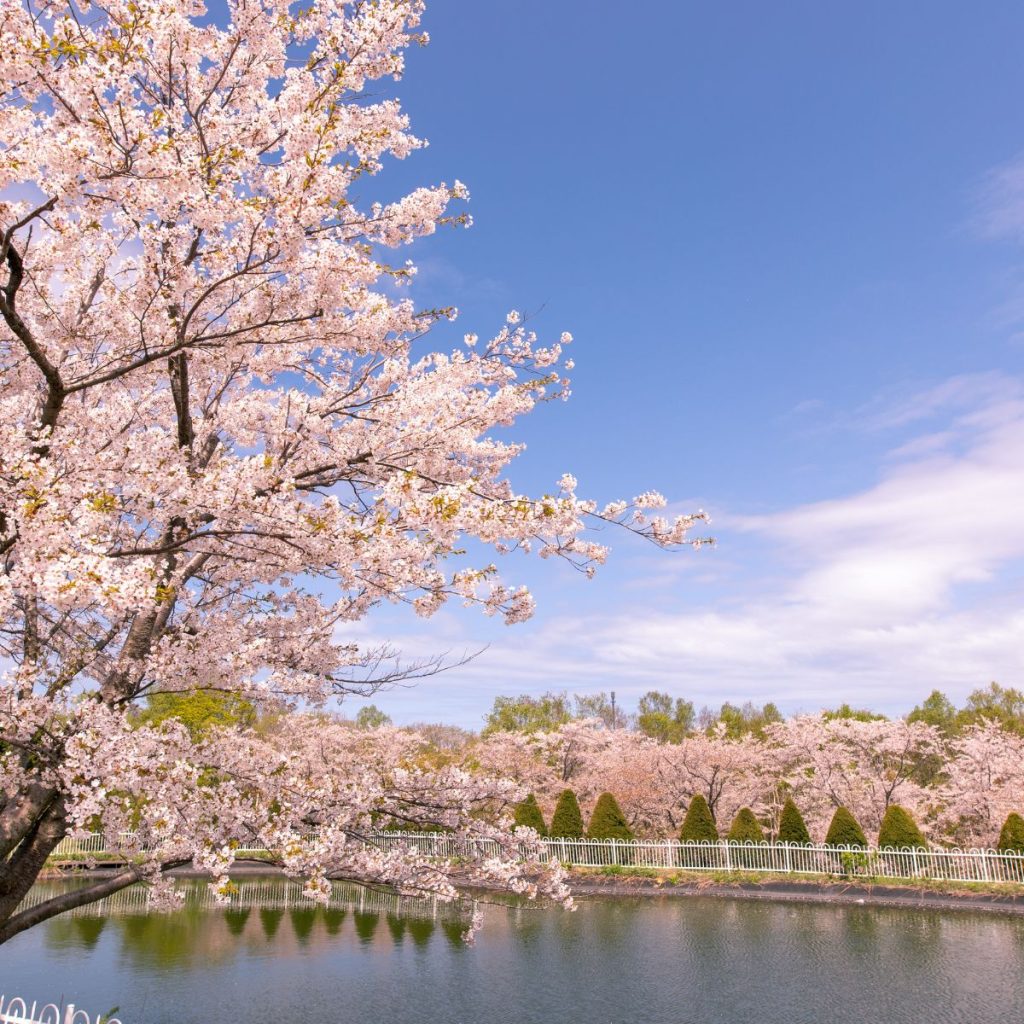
(745, 828)
(699, 824)
(1011, 838)
(845, 830)
(900, 830)
(528, 814)
(792, 827)
(608, 821)
(567, 821)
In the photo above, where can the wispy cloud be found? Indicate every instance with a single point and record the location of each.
(999, 201)
(875, 596)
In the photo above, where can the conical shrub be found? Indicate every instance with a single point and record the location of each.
(745, 828)
(567, 821)
(792, 827)
(528, 814)
(845, 830)
(1011, 838)
(608, 821)
(699, 824)
(899, 830)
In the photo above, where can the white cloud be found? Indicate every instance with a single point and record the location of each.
(873, 597)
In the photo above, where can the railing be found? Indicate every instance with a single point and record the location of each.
(17, 1011)
(934, 864)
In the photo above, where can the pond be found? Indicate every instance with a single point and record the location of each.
(373, 957)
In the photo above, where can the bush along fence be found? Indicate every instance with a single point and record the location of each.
(18, 1011)
(908, 863)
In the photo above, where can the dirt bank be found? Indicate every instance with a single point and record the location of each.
(592, 886)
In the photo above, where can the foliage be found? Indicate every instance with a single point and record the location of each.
(607, 820)
(528, 714)
(528, 814)
(846, 712)
(792, 827)
(899, 830)
(1004, 705)
(844, 830)
(936, 710)
(699, 824)
(745, 828)
(567, 820)
(664, 719)
(371, 717)
(200, 711)
(1011, 836)
(737, 722)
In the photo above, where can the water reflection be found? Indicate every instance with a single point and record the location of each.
(273, 956)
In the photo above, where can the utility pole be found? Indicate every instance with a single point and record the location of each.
(615, 715)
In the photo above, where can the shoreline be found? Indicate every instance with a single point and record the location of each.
(832, 893)
(587, 885)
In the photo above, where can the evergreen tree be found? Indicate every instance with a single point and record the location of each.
(608, 821)
(900, 830)
(792, 827)
(845, 830)
(698, 825)
(1011, 838)
(745, 828)
(528, 814)
(567, 821)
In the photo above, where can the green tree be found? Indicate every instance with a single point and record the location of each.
(600, 706)
(607, 820)
(699, 823)
(845, 830)
(1011, 837)
(846, 712)
(200, 711)
(745, 828)
(528, 814)
(899, 830)
(371, 717)
(938, 710)
(528, 714)
(567, 821)
(792, 827)
(664, 719)
(748, 720)
(1001, 704)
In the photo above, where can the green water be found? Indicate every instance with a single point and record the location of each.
(664, 961)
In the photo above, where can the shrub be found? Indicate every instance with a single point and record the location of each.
(792, 827)
(1011, 838)
(528, 814)
(698, 825)
(608, 821)
(845, 830)
(899, 830)
(745, 828)
(567, 821)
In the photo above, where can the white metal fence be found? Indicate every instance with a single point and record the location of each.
(18, 1011)
(934, 864)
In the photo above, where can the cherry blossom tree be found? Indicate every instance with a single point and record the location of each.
(862, 765)
(984, 783)
(221, 442)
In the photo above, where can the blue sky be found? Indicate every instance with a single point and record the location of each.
(787, 241)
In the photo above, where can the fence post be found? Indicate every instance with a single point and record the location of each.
(69, 1014)
(984, 866)
(789, 859)
(728, 856)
